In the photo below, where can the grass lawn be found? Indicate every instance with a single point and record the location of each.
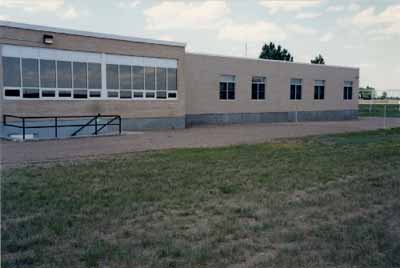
(378, 110)
(327, 201)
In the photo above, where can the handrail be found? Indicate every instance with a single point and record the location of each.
(57, 125)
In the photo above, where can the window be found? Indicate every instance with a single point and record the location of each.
(30, 73)
(112, 76)
(348, 90)
(64, 74)
(80, 94)
(80, 75)
(48, 73)
(258, 88)
(31, 93)
(125, 79)
(295, 89)
(64, 94)
(125, 94)
(227, 87)
(48, 93)
(161, 83)
(172, 79)
(138, 77)
(319, 90)
(150, 78)
(11, 72)
(94, 75)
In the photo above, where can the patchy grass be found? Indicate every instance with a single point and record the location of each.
(377, 110)
(329, 201)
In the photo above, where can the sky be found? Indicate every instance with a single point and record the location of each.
(356, 33)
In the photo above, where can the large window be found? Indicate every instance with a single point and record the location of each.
(56, 74)
(319, 90)
(227, 87)
(348, 90)
(295, 89)
(258, 88)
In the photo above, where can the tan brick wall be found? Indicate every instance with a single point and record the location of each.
(125, 108)
(202, 74)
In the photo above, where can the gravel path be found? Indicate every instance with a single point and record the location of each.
(31, 152)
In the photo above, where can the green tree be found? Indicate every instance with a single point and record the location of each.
(367, 93)
(384, 95)
(318, 60)
(272, 52)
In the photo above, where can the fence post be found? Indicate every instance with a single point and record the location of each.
(56, 126)
(95, 125)
(384, 116)
(120, 125)
(23, 128)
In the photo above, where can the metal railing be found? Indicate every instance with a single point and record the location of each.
(58, 122)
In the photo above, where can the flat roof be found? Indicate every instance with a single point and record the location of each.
(88, 33)
(267, 60)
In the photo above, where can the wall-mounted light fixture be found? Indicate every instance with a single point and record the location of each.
(48, 39)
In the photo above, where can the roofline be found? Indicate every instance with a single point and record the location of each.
(88, 33)
(268, 60)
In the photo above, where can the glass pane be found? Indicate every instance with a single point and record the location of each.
(48, 93)
(64, 94)
(261, 91)
(322, 93)
(231, 91)
(161, 94)
(298, 92)
(112, 94)
(138, 94)
(11, 72)
(125, 77)
(172, 79)
(95, 94)
(350, 93)
(80, 75)
(172, 95)
(227, 78)
(138, 77)
(295, 81)
(345, 93)
(47, 73)
(258, 79)
(292, 92)
(11, 92)
(30, 72)
(316, 93)
(319, 82)
(125, 94)
(80, 93)
(223, 92)
(64, 74)
(150, 95)
(348, 83)
(150, 81)
(254, 91)
(94, 75)
(31, 93)
(112, 76)
(161, 79)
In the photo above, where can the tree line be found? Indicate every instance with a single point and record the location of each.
(272, 52)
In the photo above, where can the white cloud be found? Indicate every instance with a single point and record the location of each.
(299, 29)
(4, 17)
(388, 21)
(127, 4)
(336, 8)
(70, 13)
(326, 37)
(255, 32)
(33, 5)
(167, 37)
(180, 14)
(353, 7)
(308, 15)
(275, 6)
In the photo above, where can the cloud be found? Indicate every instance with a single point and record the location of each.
(127, 4)
(308, 15)
(70, 13)
(180, 14)
(33, 5)
(255, 32)
(4, 17)
(335, 8)
(299, 29)
(326, 37)
(387, 21)
(276, 6)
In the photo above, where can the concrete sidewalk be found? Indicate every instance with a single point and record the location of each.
(31, 152)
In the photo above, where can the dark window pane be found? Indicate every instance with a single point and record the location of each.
(345, 93)
(137, 94)
(322, 93)
(95, 94)
(150, 81)
(31, 93)
(316, 93)
(112, 76)
(48, 93)
(172, 95)
(298, 92)
(231, 91)
(94, 75)
(292, 92)
(80, 75)
(80, 94)
(64, 74)
(350, 93)
(261, 91)
(11, 92)
(150, 95)
(112, 94)
(161, 79)
(172, 79)
(223, 92)
(30, 72)
(254, 91)
(11, 72)
(47, 73)
(64, 94)
(138, 77)
(125, 94)
(161, 94)
(125, 79)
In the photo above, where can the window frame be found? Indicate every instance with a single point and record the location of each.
(319, 86)
(224, 80)
(297, 85)
(258, 83)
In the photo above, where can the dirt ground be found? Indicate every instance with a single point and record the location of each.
(32, 152)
